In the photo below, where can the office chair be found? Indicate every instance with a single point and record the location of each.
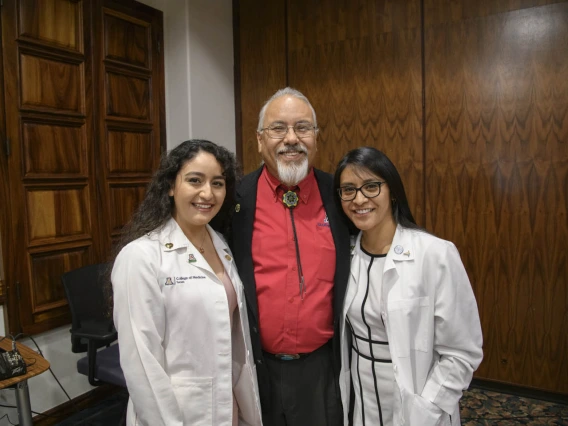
(91, 329)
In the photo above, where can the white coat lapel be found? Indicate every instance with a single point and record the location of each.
(354, 269)
(172, 239)
(401, 250)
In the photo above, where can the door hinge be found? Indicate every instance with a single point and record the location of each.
(7, 140)
(18, 290)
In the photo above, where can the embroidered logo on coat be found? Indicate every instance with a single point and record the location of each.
(169, 281)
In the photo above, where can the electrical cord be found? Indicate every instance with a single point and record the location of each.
(50, 370)
(33, 412)
(8, 418)
(73, 405)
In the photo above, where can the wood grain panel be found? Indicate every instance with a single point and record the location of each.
(366, 90)
(128, 96)
(262, 51)
(445, 11)
(321, 22)
(497, 175)
(42, 20)
(58, 149)
(130, 152)
(124, 200)
(46, 269)
(50, 83)
(57, 212)
(127, 39)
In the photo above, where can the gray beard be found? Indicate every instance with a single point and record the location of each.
(292, 174)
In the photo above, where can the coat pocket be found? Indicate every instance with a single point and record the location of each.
(425, 413)
(195, 399)
(411, 325)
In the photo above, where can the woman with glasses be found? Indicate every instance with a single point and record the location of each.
(411, 336)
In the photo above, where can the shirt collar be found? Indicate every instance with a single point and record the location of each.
(306, 185)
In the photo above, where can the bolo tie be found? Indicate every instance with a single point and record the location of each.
(290, 200)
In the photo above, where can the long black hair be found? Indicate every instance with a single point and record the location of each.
(376, 162)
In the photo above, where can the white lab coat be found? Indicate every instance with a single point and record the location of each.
(432, 322)
(180, 361)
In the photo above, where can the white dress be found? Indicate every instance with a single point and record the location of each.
(371, 364)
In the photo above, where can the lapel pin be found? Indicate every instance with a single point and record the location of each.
(238, 208)
(228, 257)
(169, 245)
(407, 253)
(191, 258)
(398, 249)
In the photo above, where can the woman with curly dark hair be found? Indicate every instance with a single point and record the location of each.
(178, 300)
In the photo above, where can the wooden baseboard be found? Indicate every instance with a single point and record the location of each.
(521, 391)
(67, 409)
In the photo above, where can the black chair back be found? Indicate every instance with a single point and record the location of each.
(84, 291)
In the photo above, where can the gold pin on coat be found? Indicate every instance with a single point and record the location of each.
(228, 257)
(169, 245)
(407, 253)
(238, 208)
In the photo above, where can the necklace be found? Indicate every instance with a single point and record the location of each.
(201, 249)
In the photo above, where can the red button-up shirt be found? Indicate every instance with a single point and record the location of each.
(289, 324)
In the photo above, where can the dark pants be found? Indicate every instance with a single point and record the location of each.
(304, 392)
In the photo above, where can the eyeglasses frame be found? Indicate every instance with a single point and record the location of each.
(314, 128)
(361, 189)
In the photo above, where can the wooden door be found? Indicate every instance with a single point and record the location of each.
(69, 98)
(130, 101)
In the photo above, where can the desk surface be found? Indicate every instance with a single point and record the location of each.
(35, 362)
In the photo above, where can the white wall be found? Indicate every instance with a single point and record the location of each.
(198, 50)
(199, 65)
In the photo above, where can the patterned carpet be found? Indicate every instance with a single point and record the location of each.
(481, 407)
(478, 408)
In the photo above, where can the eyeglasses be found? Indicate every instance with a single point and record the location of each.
(369, 190)
(279, 131)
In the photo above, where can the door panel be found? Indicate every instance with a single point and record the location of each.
(36, 23)
(83, 115)
(47, 108)
(130, 126)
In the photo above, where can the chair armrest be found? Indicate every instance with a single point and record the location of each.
(94, 335)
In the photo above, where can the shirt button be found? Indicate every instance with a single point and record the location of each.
(293, 268)
(291, 300)
(259, 361)
(255, 330)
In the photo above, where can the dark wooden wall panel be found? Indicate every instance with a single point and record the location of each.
(488, 171)
(496, 162)
(262, 50)
(360, 66)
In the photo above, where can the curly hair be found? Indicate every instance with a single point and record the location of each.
(157, 206)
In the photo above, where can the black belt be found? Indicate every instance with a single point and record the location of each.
(285, 357)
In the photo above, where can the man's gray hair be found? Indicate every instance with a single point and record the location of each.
(287, 91)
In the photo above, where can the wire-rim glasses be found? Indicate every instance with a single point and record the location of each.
(279, 131)
(369, 190)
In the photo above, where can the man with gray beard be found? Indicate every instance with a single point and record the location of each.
(291, 249)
